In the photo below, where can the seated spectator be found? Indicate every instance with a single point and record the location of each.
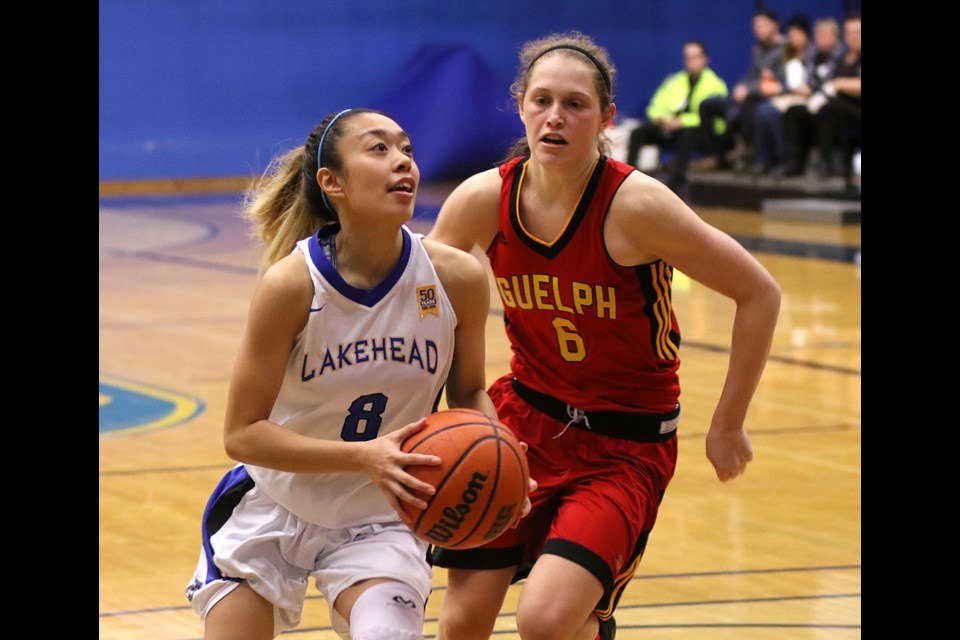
(753, 89)
(786, 87)
(674, 113)
(798, 119)
(838, 120)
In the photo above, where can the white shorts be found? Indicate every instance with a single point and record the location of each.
(249, 537)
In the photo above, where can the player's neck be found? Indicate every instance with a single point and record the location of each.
(367, 254)
(556, 184)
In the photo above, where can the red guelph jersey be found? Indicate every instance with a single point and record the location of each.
(596, 335)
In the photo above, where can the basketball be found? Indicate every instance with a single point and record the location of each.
(481, 482)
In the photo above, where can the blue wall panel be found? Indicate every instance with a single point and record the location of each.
(208, 88)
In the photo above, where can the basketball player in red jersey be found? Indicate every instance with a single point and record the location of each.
(583, 250)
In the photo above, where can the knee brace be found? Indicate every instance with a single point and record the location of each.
(387, 611)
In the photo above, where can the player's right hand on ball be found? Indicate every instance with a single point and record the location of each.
(384, 462)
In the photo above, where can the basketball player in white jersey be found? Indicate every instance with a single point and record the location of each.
(354, 331)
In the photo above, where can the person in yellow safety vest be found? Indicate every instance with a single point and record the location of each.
(673, 118)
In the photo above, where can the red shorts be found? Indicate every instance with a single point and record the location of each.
(595, 504)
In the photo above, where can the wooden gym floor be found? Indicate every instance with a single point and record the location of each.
(775, 554)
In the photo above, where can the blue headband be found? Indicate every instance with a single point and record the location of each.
(323, 194)
(324, 136)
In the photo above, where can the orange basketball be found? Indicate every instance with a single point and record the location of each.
(481, 482)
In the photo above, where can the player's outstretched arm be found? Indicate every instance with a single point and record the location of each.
(649, 222)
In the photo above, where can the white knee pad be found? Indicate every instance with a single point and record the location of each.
(387, 611)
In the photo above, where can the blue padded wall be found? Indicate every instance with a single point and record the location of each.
(209, 88)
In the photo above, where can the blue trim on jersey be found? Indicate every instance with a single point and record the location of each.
(234, 484)
(360, 296)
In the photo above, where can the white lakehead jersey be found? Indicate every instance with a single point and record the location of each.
(366, 364)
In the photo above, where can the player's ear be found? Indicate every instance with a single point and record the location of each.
(329, 181)
(606, 117)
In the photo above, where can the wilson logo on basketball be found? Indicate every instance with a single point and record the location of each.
(504, 517)
(480, 483)
(453, 517)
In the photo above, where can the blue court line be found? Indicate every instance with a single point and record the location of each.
(658, 605)
(703, 346)
(713, 348)
(119, 203)
(702, 625)
(219, 266)
(830, 252)
(168, 200)
(781, 431)
(129, 612)
(744, 572)
(212, 231)
(718, 625)
(835, 253)
(184, 261)
(683, 436)
(725, 625)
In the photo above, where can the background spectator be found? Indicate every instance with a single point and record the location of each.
(838, 121)
(787, 87)
(674, 113)
(754, 88)
(798, 119)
